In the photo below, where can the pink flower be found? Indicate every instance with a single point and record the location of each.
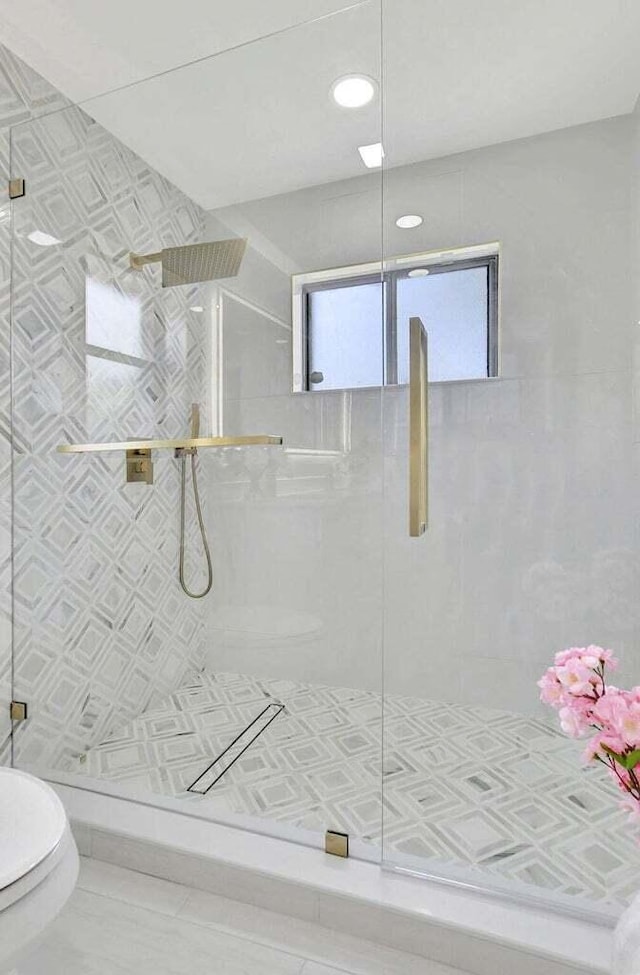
(592, 749)
(551, 691)
(597, 745)
(564, 656)
(607, 657)
(591, 656)
(608, 709)
(576, 687)
(618, 712)
(628, 725)
(575, 677)
(572, 722)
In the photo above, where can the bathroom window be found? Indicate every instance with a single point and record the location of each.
(351, 325)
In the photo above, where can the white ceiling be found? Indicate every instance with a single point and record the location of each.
(88, 47)
(257, 120)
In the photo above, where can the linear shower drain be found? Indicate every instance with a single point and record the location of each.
(223, 762)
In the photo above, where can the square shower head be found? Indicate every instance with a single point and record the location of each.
(193, 263)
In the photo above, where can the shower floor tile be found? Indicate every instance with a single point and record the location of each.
(490, 790)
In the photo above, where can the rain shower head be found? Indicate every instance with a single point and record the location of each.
(193, 263)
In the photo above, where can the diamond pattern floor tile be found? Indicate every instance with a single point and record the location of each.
(497, 792)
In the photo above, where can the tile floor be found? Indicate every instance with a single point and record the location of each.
(519, 805)
(123, 923)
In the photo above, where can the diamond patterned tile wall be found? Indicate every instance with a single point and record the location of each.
(497, 792)
(99, 353)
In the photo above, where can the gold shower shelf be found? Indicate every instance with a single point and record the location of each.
(259, 439)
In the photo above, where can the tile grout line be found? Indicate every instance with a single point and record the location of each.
(247, 936)
(218, 929)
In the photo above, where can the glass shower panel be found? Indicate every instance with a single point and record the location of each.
(532, 543)
(6, 681)
(100, 354)
(260, 703)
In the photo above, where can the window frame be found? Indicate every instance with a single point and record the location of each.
(459, 259)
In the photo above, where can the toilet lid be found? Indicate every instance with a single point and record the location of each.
(32, 823)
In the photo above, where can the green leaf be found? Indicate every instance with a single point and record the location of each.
(628, 761)
(620, 759)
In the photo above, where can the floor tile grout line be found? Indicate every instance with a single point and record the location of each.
(315, 959)
(249, 937)
(192, 922)
(390, 967)
(121, 895)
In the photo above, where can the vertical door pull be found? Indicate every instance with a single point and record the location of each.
(418, 429)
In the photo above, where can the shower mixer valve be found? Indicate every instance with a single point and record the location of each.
(139, 466)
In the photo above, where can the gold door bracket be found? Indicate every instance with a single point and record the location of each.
(335, 843)
(18, 711)
(139, 466)
(16, 189)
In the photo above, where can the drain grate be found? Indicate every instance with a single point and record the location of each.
(223, 762)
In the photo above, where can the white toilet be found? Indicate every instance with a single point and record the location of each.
(38, 863)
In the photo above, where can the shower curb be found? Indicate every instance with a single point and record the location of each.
(463, 929)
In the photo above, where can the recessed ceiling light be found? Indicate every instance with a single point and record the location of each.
(409, 221)
(196, 308)
(41, 239)
(372, 155)
(353, 91)
(419, 272)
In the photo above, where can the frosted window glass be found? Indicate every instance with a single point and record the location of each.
(345, 328)
(453, 309)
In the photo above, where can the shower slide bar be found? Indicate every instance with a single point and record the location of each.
(223, 762)
(418, 428)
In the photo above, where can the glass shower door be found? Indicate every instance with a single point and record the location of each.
(259, 704)
(532, 540)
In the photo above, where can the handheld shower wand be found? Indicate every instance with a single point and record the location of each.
(182, 452)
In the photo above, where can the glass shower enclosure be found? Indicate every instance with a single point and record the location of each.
(261, 702)
(348, 672)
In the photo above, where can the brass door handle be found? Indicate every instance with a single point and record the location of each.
(418, 428)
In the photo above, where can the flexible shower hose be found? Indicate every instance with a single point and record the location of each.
(203, 531)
